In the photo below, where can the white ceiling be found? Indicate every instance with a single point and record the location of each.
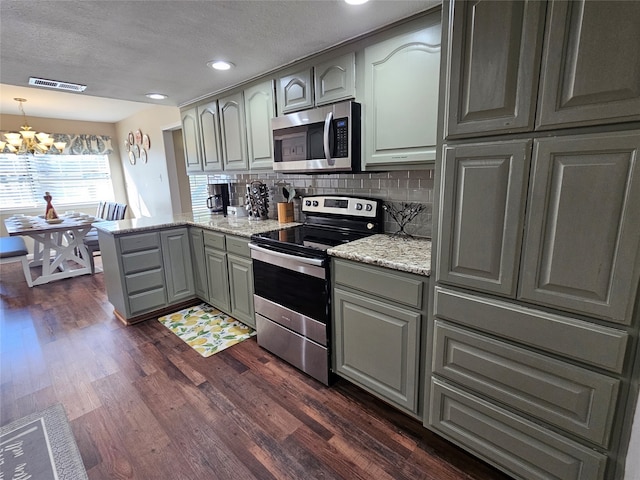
(124, 49)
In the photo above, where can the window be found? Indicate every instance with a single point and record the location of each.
(198, 184)
(71, 179)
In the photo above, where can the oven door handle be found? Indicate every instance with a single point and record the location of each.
(317, 262)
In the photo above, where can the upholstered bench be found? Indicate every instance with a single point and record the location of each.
(13, 249)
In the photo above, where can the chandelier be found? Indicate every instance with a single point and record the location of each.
(28, 141)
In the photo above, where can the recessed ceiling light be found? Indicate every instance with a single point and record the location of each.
(356, 2)
(156, 96)
(220, 65)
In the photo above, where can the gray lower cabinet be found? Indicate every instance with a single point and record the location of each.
(378, 316)
(147, 271)
(240, 280)
(201, 284)
(176, 255)
(230, 275)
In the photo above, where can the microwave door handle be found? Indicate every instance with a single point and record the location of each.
(328, 122)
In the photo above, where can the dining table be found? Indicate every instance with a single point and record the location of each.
(58, 244)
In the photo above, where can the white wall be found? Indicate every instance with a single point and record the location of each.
(148, 185)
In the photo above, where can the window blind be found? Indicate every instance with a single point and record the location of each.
(70, 179)
(199, 193)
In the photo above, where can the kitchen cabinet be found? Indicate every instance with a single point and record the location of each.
(482, 216)
(230, 275)
(591, 67)
(176, 256)
(329, 81)
(147, 271)
(201, 139)
(582, 68)
(335, 79)
(233, 135)
(240, 280)
(217, 270)
(537, 240)
(378, 316)
(401, 98)
(494, 71)
(259, 106)
(201, 285)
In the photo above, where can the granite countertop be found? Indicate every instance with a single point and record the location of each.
(242, 227)
(411, 255)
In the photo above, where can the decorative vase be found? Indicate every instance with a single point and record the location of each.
(50, 212)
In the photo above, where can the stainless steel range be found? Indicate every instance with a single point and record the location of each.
(292, 279)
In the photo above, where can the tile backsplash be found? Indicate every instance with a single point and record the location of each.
(415, 186)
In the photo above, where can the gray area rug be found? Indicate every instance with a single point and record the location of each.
(40, 446)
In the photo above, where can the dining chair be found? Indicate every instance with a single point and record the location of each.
(111, 211)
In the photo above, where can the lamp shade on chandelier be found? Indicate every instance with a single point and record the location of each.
(28, 140)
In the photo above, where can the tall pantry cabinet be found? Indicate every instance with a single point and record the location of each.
(534, 324)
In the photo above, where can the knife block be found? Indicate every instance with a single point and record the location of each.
(285, 212)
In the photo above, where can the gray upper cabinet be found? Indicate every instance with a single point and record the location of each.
(583, 234)
(401, 98)
(335, 80)
(493, 82)
(211, 151)
(591, 65)
(232, 132)
(259, 107)
(191, 140)
(481, 221)
(295, 91)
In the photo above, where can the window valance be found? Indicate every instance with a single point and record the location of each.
(79, 143)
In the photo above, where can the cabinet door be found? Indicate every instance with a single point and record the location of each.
(591, 66)
(199, 267)
(241, 289)
(401, 98)
(232, 133)
(483, 192)
(583, 236)
(210, 137)
(335, 80)
(259, 105)
(178, 269)
(191, 140)
(376, 346)
(493, 62)
(218, 278)
(295, 92)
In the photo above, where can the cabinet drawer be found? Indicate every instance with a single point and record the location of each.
(142, 281)
(238, 245)
(142, 241)
(382, 283)
(554, 333)
(561, 394)
(521, 448)
(213, 239)
(141, 261)
(146, 301)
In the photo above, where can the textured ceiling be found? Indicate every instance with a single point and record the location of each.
(124, 49)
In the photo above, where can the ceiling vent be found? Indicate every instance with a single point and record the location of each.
(69, 87)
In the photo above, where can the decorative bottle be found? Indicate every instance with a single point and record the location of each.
(50, 212)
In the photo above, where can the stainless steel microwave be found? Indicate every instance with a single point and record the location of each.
(321, 140)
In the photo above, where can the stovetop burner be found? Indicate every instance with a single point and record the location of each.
(330, 221)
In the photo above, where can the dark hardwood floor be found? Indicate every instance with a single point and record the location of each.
(143, 405)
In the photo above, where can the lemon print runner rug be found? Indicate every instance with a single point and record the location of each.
(206, 329)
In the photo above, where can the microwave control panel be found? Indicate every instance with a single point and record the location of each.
(342, 137)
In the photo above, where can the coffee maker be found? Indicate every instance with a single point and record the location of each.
(218, 200)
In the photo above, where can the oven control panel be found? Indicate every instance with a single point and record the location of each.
(338, 205)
